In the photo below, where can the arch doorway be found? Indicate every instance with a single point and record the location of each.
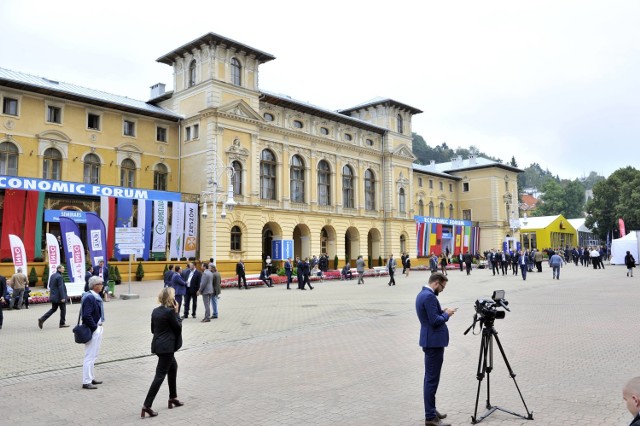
(301, 241)
(373, 245)
(352, 244)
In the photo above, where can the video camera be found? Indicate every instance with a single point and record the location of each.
(487, 310)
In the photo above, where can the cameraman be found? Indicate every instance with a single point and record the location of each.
(434, 337)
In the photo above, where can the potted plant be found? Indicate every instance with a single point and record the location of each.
(139, 272)
(117, 277)
(33, 276)
(335, 262)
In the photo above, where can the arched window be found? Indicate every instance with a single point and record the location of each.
(267, 175)
(236, 72)
(431, 209)
(402, 201)
(192, 73)
(403, 243)
(236, 238)
(128, 173)
(400, 123)
(450, 211)
(441, 209)
(52, 164)
(237, 178)
(160, 174)
(92, 169)
(8, 159)
(369, 190)
(347, 187)
(420, 208)
(324, 184)
(297, 179)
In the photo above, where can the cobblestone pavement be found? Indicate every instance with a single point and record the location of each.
(342, 354)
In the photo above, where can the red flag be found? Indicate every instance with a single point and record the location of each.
(621, 226)
(12, 218)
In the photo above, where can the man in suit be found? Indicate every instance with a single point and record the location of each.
(306, 273)
(217, 289)
(360, 269)
(178, 285)
(241, 273)
(92, 310)
(87, 277)
(103, 272)
(193, 285)
(288, 270)
(434, 337)
(391, 267)
(631, 395)
(300, 266)
(206, 290)
(57, 297)
(168, 276)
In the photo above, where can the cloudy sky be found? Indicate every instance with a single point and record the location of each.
(551, 82)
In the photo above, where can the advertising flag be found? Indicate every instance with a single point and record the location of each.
(144, 222)
(76, 261)
(160, 222)
(69, 229)
(622, 230)
(124, 219)
(18, 253)
(96, 239)
(190, 230)
(177, 230)
(53, 252)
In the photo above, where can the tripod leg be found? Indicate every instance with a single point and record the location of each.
(489, 368)
(482, 367)
(513, 375)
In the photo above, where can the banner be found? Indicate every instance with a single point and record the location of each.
(96, 239)
(124, 219)
(622, 230)
(76, 261)
(177, 230)
(12, 218)
(54, 255)
(190, 230)
(69, 229)
(18, 253)
(160, 221)
(32, 236)
(144, 223)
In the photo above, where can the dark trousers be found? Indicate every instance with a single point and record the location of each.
(300, 282)
(193, 299)
(392, 280)
(468, 267)
(433, 358)
(179, 300)
(167, 365)
(539, 266)
(496, 268)
(242, 278)
(1, 315)
(54, 307)
(505, 268)
(288, 278)
(306, 281)
(524, 272)
(515, 268)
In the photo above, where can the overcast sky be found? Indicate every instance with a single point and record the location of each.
(553, 82)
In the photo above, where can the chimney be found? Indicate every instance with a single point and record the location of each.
(157, 90)
(472, 159)
(432, 164)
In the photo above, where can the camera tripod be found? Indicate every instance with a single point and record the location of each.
(485, 365)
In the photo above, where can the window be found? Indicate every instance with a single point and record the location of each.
(450, 187)
(10, 106)
(236, 72)
(129, 128)
(465, 187)
(54, 114)
(324, 131)
(161, 134)
(430, 184)
(441, 186)
(369, 142)
(92, 169)
(128, 173)
(196, 131)
(466, 214)
(420, 208)
(93, 121)
(420, 182)
(297, 179)
(160, 174)
(267, 175)
(506, 186)
(369, 190)
(236, 180)
(431, 209)
(52, 164)
(191, 132)
(187, 133)
(267, 116)
(402, 201)
(192, 73)
(348, 137)
(450, 211)
(298, 124)
(400, 123)
(441, 209)
(324, 184)
(8, 159)
(347, 187)
(236, 238)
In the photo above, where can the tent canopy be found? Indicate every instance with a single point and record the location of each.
(620, 247)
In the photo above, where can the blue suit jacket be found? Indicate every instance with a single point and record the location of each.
(433, 322)
(178, 284)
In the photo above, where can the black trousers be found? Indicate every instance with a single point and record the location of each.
(193, 299)
(392, 280)
(242, 278)
(167, 366)
(54, 307)
(1, 315)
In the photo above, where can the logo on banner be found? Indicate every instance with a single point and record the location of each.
(96, 240)
(18, 259)
(190, 243)
(53, 255)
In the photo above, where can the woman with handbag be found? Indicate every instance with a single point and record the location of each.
(166, 327)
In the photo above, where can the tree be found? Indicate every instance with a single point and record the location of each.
(574, 200)
(552, 199)
(420, 148)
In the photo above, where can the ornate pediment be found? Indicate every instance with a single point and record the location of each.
(129, 147)
(241, 109)
(236, 150)
(404, 151)
(54, 136)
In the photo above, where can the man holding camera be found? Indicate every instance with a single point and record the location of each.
(434, 337)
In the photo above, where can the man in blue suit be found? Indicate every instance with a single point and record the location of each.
(434, 337)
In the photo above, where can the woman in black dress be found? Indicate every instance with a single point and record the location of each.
(166, 327)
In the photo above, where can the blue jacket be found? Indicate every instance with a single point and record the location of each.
(57, 288)
(91, 310)
(433, 321)
(178, 284)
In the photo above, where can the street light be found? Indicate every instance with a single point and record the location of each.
(215, 197)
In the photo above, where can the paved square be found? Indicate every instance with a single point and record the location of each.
(341, 354)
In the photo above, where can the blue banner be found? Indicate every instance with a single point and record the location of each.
(442, 221)
(96, 239)
(69, 227)
(55, 215)
(281, 249)
(124, 219)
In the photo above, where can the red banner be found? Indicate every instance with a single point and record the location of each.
(621, 226)
(12, 218)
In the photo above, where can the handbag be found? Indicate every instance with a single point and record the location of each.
(81, 332)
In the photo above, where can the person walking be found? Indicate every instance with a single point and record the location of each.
(306, 272)
(523, 261)
(57, 297)
(555, 263)
(18, 283)
(630, 262)
(206, 290)
(360, 269)
(92, 313)
(434, 337)
(217, 281)
(407, 265)
(288, 271)
(241, 273)
(443, 263)
(191, 295)
(166, 327)
(391, 268)
(168, 275)
(467, 261)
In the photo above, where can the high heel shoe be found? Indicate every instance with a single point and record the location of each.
(148, 411)
(174, 402)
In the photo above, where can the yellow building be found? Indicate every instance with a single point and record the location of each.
(547, 232)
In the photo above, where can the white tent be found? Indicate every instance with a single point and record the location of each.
(620, 247)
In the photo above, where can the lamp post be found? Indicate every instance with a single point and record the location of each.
(216, 196)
